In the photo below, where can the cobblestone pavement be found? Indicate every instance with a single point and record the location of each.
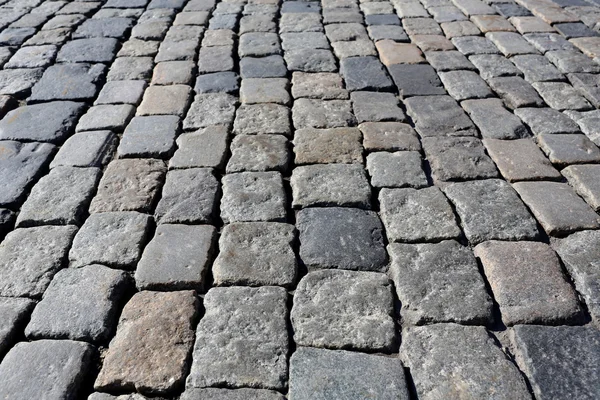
(256, 199)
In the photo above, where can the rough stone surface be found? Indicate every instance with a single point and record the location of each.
(68, 82)
(390, 136)
(493, 120)
(439, 116)
(583, 179)
(86, 149)
(229, 394)
(399, 169)
(258, 153)
(254, 119)
(14, 313)
(520, 160)
(310, 113)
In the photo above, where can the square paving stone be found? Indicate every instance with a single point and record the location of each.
(188, 196)
(45, 368)
(227, 394)
(365, 73)
(121, 92)
(412, 215)
(492, 23)
(112, 117)
(131, 68)
(169, 100)
(511, 10)
(304, 40)
(215, 59)
(439, 282)
(310, 60)
(139, 48)
(376, 107)
(520, 160)
(32, 57)
(572, 61)
(60, 198)
(528, 283)
(253, 196)
(204, 148)
(471, 45)
(491, 209)
(561, 96)
(319, 374)
(392, 53)
(579, 253)
(265, 90)
(466, 29)
(494, 66)
(345, 32)
(80, 304)
(588, 85)
(557, 207)
(14, 313)
(325, 146)
(343, 238)
(149, 136)
(319, 85)
(103, 27)
(493, 120)
(510, 43)
(439, 116)
(559, 361)
(389, 136)
(242, 339)
(258, 153)
(15, 36)
(129, 185)
(565, 149)
(262, 67)
(464, 85)
(458, 158)
(113, 239)
(49, 122)
(330, 185)
(30, 258)
(515, 92)
(356, 306)
(256, 254)
(95, 50)
(575, 30)
(416, 80)
(445, 357)
(537, 68)
(547, 121)
(86, 149)
(421, 26)
(226, 82)
(448, 60)
(172, 262)
(312, 113)
(182, 50)
(150, 352)
(396, 170)
(527, 25)
(548, 42)
(445, 12)
(173, 73)
(355, 48)
(253, 119)
(68, 82)
(583, 178)
(259, 44)
(210, 109)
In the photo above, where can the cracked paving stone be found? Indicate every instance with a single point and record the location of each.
(86, 149)
(106, 117)
(32, 57)
(60, 198)
(161, 100)
(48, 122)
(204, 148)
(113, 239)
(583, 179)
(172, 262)
(376, 107)
(265, 90)
(446, 359)
(228, 394)
(559, 361)
(149, 136)
(80, 304)
(242, 339)
(491, 209)
(439, 282)
(258, 153)
(493, 120)
(95, 50)
(515, 92)
(528, 283)
(188, 196)
(357, 307)
(448, 60)
(151, 349)
(311, 113)
(30, 258)
(121, 92)
(463, 85)
(328, 146)
(343, 238)
(547, 121)
(129, 185)
(389, 136)
(319, 85)
(45, 368)
(412, 215)
(396, 170)
(565, 149)
(557, 207)
(210, 109)
(579, 252)
(416, 80)
(320, 374)
(310, 60)
(439, 116)
(364, 73)
(253, 196)
(68, 82)
(520, 160)
(14, 314)
(494, 66)
(256, 254)
(561, 96)
(330, 185)
(458, 158)
(227, 82)
(253, 119)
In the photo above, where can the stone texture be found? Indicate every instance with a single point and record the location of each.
(547, 121)
(494, 66)
(389, 136)
(258, 153)
(310, 113)
(376, 107)
(229, 394)
(416, 80)
(87, 149)
(342, 238)
(319, 85)
(583, 179)
(463, 85)
(106, 117)
(493, 120)
(516, 92)
(439, 116)
(399, 169)
(149, 136)
(121, 92)
(253, 119)
(438, 282)
(242, 339)
(210, 109)
(92, 50)
(411, 215)
(68, 82)
(325, 146)
(150, 352)
(364, 73)
(565, 149)
(161, 100)
(520, 160)
(14, 313)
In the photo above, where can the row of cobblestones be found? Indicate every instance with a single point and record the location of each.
(335, 199)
